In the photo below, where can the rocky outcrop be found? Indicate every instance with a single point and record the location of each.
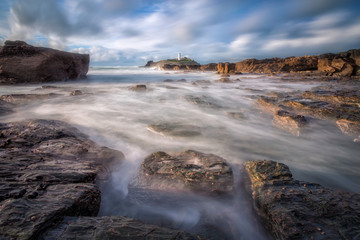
(189, 171)
(174, 64)
(48, 171)
(19, 99)
(226, 68)
(294, 209)
(138, 88)
(209, 67)
(23, 63)
(113, 228)
(277, 65)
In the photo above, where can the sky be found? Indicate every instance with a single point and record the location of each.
(131, 32)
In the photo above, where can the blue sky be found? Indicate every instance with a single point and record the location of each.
(124, 32)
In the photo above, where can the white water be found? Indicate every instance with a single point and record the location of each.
(116, 117)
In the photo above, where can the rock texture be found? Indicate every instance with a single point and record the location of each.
(289, 122)
(112, 228)
(23, 63)
(174, 129)
(48, 171)
(226, 68)
(294, 209)
(173, 64)
(189, 170)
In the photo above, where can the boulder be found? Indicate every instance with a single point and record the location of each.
(294, 209)
(349, 127)
(23, 63)
(97, 228)
(20, 99)
(188, 171)
(76, 93)
(48, 171)
(289, 122)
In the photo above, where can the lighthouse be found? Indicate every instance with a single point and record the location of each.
(179, 56)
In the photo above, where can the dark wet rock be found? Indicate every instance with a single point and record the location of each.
(236, 115)
(202, 101)
(22, 63)
(138, 88)
(294, 209)
(181, 80)
(112, 228)
(48, 170)
(76, 93)
(201, 82)
(289, 122)
(168, 80)
(27, 98)
(175, 129)
(189, 170)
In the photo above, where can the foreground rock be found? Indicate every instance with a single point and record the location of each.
(112, 228)
(22, 63)
(294, 209)
(189, 170)
(48, 171)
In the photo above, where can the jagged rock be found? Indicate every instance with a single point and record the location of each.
(23, 63)
(335, 96)
(289, 122)
(5, 108)
(97, 228)
(337, 66)
(189, 170)
(139, 88)
(294, 209)
(226, 68)
(27, 98)
(209, 67)
(48, 171)
(76, 93)
(276, 65)
(174, 129)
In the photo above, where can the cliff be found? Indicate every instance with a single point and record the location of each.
(23, 63)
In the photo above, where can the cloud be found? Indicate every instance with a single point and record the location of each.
(208, 30)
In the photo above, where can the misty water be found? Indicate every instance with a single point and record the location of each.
(116, 117)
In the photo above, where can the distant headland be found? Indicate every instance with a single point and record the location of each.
(343, 64)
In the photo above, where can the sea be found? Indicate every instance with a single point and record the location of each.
(113, 115)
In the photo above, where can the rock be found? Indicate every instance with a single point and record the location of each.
(335, 96)
(337, 66)
(174, 129)
(76, 93)
(276, 65)
(22, 63)
(236, 115)
(27, 98)
(181, 80)
(189, 170)
(209, 67)
(112, 228)
(174, 64)
(202, 101)
(289, 122)
(226, 68)
(168, 80)
(48, 171)
(294, 209)
(149, 63)
(349, 127)
(138, 88)
(268, 104)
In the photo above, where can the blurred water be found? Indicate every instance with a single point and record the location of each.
(116, 117)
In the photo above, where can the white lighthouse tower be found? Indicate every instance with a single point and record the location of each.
(179, 56)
